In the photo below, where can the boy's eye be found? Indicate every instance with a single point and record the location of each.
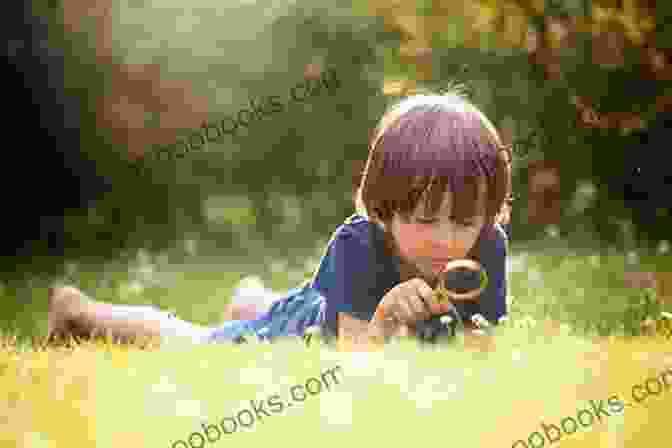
(464, 223)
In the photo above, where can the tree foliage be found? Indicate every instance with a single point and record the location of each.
(555, 77)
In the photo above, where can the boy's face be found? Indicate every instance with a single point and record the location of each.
(430, 242)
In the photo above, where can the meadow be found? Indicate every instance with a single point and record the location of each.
(574, 334)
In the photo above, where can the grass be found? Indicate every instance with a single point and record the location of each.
(573, 335)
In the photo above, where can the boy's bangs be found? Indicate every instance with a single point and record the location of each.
(428, 192)
(427, 150)
(450, 158)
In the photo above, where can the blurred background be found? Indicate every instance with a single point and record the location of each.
(581, 88)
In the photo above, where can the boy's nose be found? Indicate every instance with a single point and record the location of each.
(449, 248)
(447, 241)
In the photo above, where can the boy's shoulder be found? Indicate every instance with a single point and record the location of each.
(355, 246)
(358, 236)
(355, 226)
(356, 220)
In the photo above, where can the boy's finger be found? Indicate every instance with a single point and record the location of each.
(405, 312)
(424, 291)
(402, 330)
(420, 307)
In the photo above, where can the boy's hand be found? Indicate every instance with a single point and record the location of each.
(409, 302)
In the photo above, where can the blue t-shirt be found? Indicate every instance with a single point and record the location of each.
(357, 270)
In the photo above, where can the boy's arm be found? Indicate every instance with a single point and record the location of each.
(352, 332)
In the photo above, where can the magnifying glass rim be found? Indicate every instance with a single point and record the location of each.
(469, 264)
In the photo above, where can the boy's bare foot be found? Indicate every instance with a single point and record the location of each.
(66, 305)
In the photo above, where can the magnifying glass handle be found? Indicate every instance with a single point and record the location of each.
(438, 327)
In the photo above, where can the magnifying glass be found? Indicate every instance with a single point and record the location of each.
(443, 293)
(445, 325)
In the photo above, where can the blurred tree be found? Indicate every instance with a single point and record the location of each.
(573, 63)
(546, 73)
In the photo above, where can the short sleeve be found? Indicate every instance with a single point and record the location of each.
(349, 278)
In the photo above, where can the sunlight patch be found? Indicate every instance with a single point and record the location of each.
(189, 408)
(336, 408)
(164, 386)
(255, 376)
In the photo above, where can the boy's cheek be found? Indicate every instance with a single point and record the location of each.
(413, 241)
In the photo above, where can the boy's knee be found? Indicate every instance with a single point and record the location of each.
(245, 311)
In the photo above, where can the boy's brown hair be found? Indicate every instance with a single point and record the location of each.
(427, 143)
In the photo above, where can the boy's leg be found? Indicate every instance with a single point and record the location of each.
(241, 311)
(249, 300)
(72, 312)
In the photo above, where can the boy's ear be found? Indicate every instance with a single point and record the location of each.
(504, 215)
(386, 225)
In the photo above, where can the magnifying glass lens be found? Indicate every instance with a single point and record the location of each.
(462, 279)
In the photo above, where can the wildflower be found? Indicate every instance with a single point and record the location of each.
(278, 266)
(446, 320)
(71, 269)
(594, 261)
(480, 321)
(132, 288)
(530, 321)
(143, 257)
(632, 257)
(534, 276)
(553, 230)
(517, 263)
(309, 332)
(190, 247)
